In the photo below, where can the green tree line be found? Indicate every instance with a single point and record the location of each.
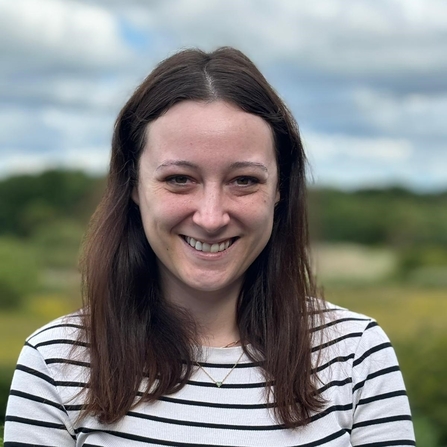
(28, 202)
(394, 217)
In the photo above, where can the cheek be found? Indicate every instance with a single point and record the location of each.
(162, 213)
(260, 217)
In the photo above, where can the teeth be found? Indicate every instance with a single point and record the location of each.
(207, 248)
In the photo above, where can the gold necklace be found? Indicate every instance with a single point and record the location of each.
(219, 384)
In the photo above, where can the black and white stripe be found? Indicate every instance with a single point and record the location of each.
(367, 403)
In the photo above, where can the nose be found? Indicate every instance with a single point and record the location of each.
(211, 213)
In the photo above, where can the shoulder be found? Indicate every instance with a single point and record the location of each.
(55, 358)
(355, 348)
(65, 327)
(343, 332)
(337, 314)
(336, 320)
(360, 370)
(49, 375)
(59, 342)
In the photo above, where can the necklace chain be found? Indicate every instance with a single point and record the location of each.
(219, 384)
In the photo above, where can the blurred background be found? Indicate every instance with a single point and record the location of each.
(367, 83)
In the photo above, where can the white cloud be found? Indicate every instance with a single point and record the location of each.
(329, 148)
(76, 128)
(34, 140)
(351, 162)
(415, 114)
(368, 37)
(69, 90)
(53, 33)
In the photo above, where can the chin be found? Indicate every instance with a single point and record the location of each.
(212, 285)
(209, 287)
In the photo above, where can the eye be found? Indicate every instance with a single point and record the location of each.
(246, 181)
(178, 180)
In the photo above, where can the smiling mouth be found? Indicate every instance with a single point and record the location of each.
(208, 248)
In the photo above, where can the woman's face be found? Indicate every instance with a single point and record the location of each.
(207, 189)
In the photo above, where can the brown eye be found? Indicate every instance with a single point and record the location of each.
(246, 181)
(178, 180)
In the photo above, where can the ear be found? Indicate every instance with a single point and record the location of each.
(277, 197)
(135, 196)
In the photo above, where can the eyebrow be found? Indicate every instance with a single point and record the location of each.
(248, 164)
(183, 163)
(235, 165)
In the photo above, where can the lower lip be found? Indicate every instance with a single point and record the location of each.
(208, 254)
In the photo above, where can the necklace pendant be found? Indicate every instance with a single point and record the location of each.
(219, 384)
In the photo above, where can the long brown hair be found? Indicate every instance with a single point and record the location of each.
(135, 336)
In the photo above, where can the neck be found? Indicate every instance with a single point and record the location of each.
(214, 312)
(217, 325)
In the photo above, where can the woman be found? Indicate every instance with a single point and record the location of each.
(200, 326)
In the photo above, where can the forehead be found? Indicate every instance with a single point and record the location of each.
(209, 128)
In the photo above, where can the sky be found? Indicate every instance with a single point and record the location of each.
(365, 79)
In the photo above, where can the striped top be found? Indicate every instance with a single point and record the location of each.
(361, 382)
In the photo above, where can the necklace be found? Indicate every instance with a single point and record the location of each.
(219, 384)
